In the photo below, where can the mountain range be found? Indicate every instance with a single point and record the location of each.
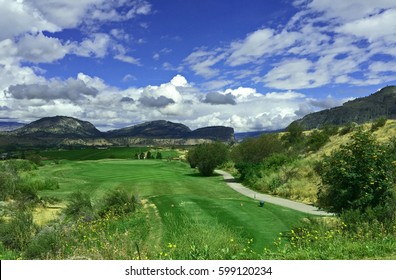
(382, 103)
(68, 131)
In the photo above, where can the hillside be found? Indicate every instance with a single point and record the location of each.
(379, 104)
(67, 131)
(58, 127)
(154, 129)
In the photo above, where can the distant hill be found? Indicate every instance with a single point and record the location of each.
(68, 131)
(154, 129)
(8, 126)
(58, 127)
(379, 104)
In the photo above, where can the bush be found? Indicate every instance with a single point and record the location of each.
(349, 127)
(380, 122)
(207, 157)
(16, 233)
(119, 202)
(359, 176)
(80, 206)
(45, 243)
(316, 140)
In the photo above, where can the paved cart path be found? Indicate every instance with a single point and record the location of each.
(230, 180)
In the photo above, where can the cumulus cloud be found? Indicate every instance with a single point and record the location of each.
(216, 98)
(39, 48)
(71, 89)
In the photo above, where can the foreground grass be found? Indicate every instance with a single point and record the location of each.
(202, 216)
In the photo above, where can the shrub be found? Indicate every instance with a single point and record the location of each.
(119, 202)
(80, 206)
(349, 127)
(16, 233)
(358, 176)
(316, 140)
(45, 243)
(380, 122)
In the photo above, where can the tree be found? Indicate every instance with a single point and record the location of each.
(159, 155)
(357, 177)
(294, 133)
(254, 150)
(207, 157)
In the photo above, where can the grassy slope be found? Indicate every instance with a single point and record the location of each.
(181, 197)
(300, 182)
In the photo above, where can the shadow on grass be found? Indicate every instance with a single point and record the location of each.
(198, 175)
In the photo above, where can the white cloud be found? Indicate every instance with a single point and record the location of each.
(202, 61)
(127, 59)
(380, 66)
(373, 27)
(260, 43)
(19, 18)
(96, 45)
(295, 74)
(39, 48)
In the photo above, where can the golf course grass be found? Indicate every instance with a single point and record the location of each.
(189, 207)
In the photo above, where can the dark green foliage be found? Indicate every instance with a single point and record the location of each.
(119, 202)
(330, 129)
(149, 155)
(17, 231)
(294, 133)
(349, 127)
(136, 156)
(79, 206)
(359, 176)
(192, 158)
(159, 155)
(254, 150)
(35, 158)
(46, 242)
(380, 122)
(208, 156)
(316, 140)
(142, 155)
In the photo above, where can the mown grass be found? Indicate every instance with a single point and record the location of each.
(187, 210)
(106, 153)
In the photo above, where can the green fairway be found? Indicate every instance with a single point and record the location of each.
(107, 153)
(184, 199)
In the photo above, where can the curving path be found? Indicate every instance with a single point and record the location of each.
(230, 180)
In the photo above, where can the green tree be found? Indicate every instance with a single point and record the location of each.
(254, 150)
(357, 177)
(159, 155)
(294, 134)
(208, 156)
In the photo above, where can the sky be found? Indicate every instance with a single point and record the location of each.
(249, 64)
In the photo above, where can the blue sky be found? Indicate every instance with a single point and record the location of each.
(252, 64)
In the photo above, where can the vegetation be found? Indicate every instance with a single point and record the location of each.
(358, 176)
(207, 157)
(161, 209)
